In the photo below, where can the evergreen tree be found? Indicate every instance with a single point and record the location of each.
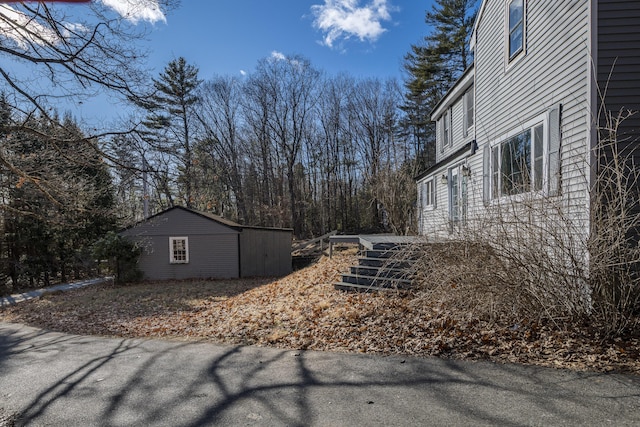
(432, 67)
(169, 125)
(57, 200)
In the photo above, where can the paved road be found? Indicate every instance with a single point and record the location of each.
(66, 380)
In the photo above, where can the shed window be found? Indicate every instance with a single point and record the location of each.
(516, 27)
(178, 250)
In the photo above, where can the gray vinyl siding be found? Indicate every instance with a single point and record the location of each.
(213, 247)
(619, 61)
(433, 222)
(265, 252)
(457, 129)
(554, 70)
(210, 256)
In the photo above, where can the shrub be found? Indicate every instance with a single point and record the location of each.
(121, 256)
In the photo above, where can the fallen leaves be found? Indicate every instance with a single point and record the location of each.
(303, 311)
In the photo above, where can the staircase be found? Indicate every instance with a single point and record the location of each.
(382, 266)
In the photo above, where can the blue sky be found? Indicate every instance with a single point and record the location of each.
(229, 36)
(364, 38)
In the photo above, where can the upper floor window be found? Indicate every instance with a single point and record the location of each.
(516, 27)
(446, 128)
(468, 112)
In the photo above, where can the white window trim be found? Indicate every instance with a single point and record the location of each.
(528, 126)
(428, 203)
(512, 60)
(172, 260)
(450, 118)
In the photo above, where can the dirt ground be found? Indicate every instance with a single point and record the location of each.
(304, 311)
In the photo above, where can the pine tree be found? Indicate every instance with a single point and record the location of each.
(170, 122)
(433, 66)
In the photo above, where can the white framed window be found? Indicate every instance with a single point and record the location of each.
(446, 129)
(468, 102)
(519, 161)
(526, 159)
(179, 250)
(428, 194)
(516, 20)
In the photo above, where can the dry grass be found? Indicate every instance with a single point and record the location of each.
(304, 311)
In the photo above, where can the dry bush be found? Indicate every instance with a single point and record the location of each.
(463, 278)
(615, 230)
(472, 279)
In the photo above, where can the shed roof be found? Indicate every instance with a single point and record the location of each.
(216, 218)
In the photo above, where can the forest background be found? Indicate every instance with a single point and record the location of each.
(286, 146)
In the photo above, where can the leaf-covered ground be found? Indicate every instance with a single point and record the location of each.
(304, 311)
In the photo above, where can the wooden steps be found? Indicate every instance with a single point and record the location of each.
(381, 267)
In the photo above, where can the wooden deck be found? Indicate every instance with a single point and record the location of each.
(368, 241)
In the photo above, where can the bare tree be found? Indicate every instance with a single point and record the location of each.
(372, 127)
(50, 58)
(219, 114)
(291, 97)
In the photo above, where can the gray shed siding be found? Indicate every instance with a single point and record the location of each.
(178, 222)
(213, 247)
(210, 256)
(265, 252)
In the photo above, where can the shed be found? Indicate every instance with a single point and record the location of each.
(181, 243)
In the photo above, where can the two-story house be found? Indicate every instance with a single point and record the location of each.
(523, 120)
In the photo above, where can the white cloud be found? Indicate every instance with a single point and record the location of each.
(22, 29)
(278, 56)
(243, 73)
(343, 19)
(137, 10)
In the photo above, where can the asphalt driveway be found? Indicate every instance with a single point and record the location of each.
(57, 379)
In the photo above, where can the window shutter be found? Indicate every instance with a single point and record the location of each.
(486, 174)
(554, 170)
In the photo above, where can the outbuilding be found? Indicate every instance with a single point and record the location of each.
(181, 243)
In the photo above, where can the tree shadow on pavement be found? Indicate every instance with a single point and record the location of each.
(109, 382)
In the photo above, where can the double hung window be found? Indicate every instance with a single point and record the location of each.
(428, 194)
(525, 160)
(468, 112)
(179, 250)
(517, 163)
(446, 129)
(516, 27)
